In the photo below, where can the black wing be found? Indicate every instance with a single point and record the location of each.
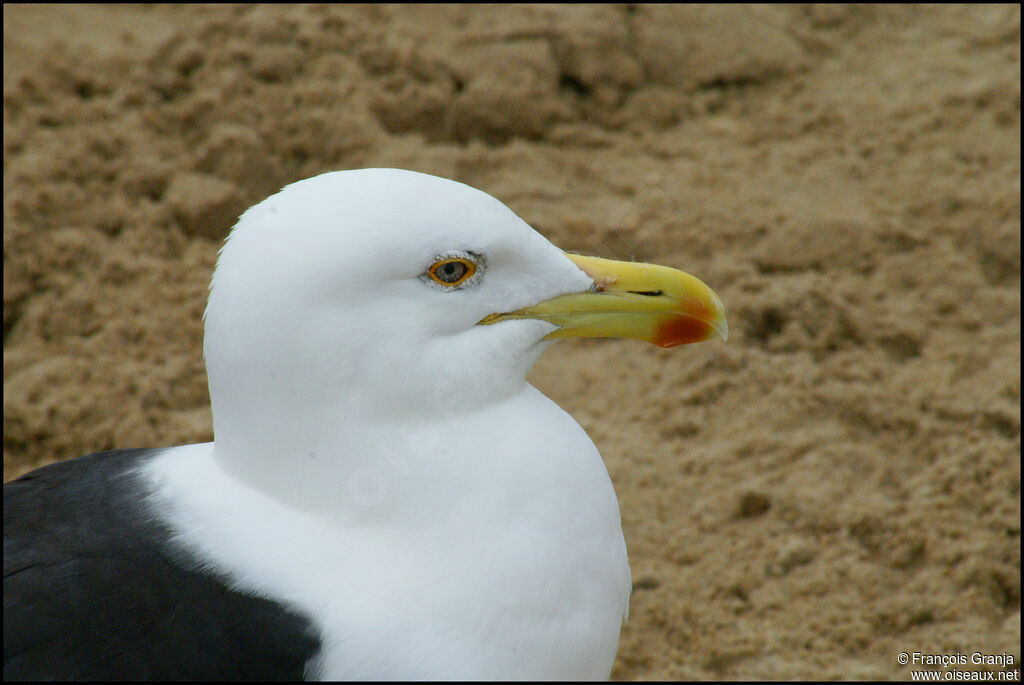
(93, 589)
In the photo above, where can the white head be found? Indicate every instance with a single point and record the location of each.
(322, 311)
(322, 297)
(343, 310)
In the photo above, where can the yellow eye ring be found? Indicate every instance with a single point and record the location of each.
(451, 272)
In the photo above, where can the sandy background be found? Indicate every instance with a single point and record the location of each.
(836, 484)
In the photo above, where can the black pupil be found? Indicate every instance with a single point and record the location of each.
(450, 272)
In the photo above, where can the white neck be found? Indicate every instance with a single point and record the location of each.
(513, 550)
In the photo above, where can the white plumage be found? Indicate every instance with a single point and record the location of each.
(379, 460)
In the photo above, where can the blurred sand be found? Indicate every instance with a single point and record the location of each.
(836, 484)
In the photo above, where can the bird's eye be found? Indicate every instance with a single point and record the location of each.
(451, 272)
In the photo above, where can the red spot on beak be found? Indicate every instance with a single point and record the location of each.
(682, 330)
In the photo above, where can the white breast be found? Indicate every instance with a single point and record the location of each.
(491, 548)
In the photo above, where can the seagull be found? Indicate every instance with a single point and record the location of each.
(386, 497)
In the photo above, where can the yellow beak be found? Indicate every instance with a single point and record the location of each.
(663, 306)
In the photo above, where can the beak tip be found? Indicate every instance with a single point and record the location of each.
(723, 329)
